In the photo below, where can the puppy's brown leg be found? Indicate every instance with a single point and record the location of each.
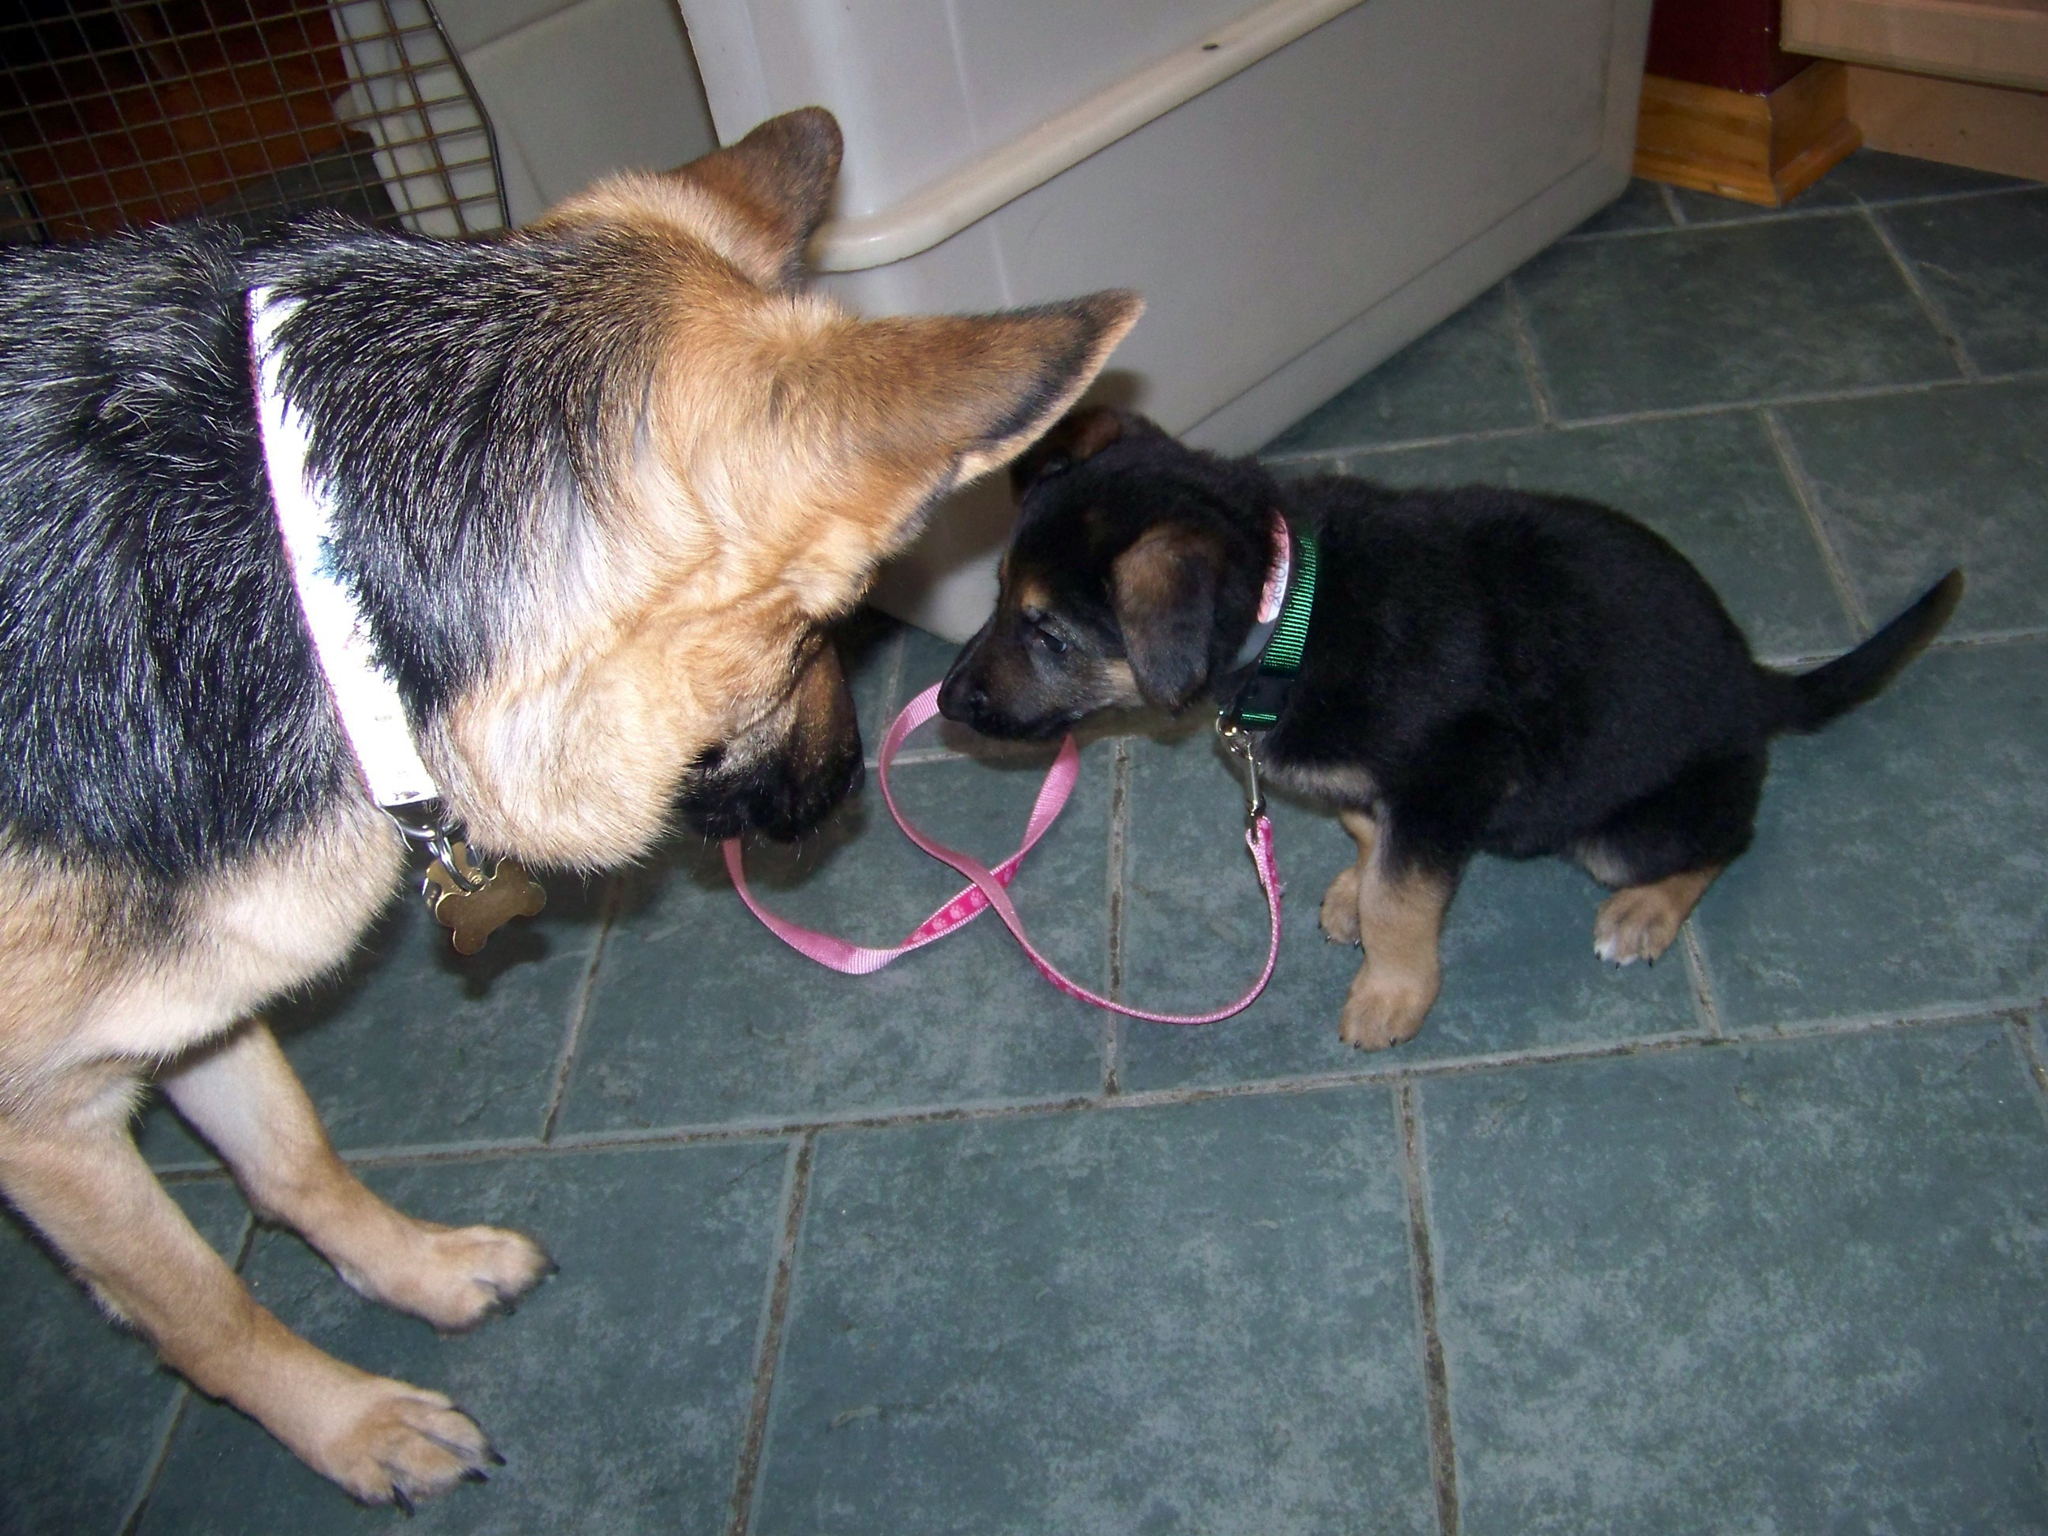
(76, 1174)
(1399, 918)
(244, 1098)
(1340, 903)
(1639, 922)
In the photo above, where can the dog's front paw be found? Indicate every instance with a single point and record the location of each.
(454, 1277)
(1339, 918)
(1386, 1007)
(388, 1442)
(1637, 923)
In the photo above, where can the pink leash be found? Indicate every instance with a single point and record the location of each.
(988, 888)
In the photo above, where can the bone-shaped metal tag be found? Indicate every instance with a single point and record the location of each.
(473, 906)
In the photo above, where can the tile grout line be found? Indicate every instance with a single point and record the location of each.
(1526, 354)
(2022, 1037)
(1119, 843)
(153, 1471)
(1935, 1016)
(1680, 221)
(746, 1475)
(1989, 637)
(1937, 317)
(174, 1417)
(1705, 1009)
(572, 1037)
(892, 686)
(1340, 455)
(1443, 1451)
(1809, 504)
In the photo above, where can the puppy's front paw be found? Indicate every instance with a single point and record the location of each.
(454, 1277)
(388, 1442)
(1386, 1006)
(1339, 918)
(1637, 923)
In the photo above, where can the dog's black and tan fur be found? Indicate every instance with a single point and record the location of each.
(598, 487)
(1486, 671)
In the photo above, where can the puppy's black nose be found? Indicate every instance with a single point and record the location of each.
(961, 697)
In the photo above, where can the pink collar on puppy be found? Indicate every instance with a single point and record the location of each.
(1272, 596)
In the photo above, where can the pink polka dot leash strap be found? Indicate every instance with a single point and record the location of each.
(989, 887)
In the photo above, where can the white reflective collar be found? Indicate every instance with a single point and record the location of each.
(372, 714)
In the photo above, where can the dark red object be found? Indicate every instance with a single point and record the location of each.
(1732, 44)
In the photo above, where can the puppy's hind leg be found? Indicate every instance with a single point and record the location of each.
(1638, 922)
(1339, 917)
(74, 1172)
(244, 1098)
(1666, 849)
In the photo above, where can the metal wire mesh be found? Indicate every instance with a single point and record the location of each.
(117, 113)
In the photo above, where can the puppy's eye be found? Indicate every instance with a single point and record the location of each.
(1035, 629)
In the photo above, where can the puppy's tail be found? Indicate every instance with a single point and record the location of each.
(1810, 700)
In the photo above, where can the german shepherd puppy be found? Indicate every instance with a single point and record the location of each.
(1485, 671)
(598, 486)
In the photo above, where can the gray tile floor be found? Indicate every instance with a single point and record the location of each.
(1755, 1240)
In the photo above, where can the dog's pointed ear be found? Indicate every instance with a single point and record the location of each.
(923, 405)
(780, 178)
(1163, 591)
(1023, 369)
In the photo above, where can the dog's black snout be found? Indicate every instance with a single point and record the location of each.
(962, 696)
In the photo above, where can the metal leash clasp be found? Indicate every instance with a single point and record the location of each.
(1238, 742)
(425, 823)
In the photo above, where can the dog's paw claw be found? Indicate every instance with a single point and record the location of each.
(390, 1443)
(457, 1277)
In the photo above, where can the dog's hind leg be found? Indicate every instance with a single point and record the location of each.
(244, 1098)
(1638, 922)
(1666, 849)
(1339, 917)
(74, 1172)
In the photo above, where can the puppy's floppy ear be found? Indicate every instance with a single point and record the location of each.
(1163, 590)
(780, 178)
(1077, 436)
(923, 405)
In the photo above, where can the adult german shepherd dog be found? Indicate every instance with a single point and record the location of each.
(597, 487)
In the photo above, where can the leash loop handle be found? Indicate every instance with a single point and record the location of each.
(988, 888)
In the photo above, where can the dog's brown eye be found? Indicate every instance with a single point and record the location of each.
(1052, 642)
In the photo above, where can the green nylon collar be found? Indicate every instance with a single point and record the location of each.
(1258, 703)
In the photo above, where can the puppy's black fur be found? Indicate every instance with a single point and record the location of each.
(1486, 670)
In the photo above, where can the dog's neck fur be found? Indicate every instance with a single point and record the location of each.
(464, 433)
(457, 471)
